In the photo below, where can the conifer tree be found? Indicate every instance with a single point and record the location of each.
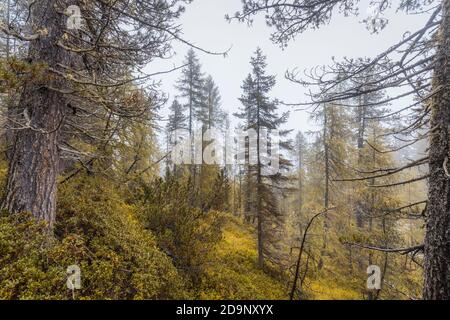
(301, 147)
(190, 87)
(177, 121)
(210, 117)
(79, 72)
(259, 113)
(209, 113)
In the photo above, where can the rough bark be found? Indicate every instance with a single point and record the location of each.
(437, 239)
(34, 163)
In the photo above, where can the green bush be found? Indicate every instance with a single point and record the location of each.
(158, 245)
(98, 232)
(186, 233)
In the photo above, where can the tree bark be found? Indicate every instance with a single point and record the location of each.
(34, 163)
(300, 182)
(437, 239)
(359, 214)
(326, 196)
(259, 213)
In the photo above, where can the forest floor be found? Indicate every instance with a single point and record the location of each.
(233, 272)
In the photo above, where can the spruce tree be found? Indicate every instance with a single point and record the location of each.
(209, 113)
(177, 121)
(190, 87)
(259, 113)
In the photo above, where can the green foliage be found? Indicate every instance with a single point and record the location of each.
(214, 188)
(214, 250)
(14, 72)
(119, 258)
(186, 233)
(98, 232)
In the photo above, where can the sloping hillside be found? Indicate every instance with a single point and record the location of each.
(233, 273)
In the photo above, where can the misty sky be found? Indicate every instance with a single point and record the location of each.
(204, 25)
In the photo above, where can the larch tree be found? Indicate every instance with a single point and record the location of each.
(417, 65)
(71, 83)
(331, 148)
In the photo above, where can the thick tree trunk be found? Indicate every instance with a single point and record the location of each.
(34, 162)
(437, 239)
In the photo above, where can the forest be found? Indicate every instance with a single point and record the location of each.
(127, 173)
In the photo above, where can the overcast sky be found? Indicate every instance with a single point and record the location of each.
(204, 25)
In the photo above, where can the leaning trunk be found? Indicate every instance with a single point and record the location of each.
(437, 239)
(34, 162)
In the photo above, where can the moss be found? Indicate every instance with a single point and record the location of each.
(232, 272)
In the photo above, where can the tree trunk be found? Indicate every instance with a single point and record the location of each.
(34, 162)
(249, 214)
(372, 295)
(300, 182)
(259, 213)
(326, 196)
(360, 145)
(437, 239)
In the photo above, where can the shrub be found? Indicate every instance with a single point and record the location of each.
(98, 232)
(186, 233)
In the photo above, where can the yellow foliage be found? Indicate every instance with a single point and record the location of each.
(326, 290)
(232, 272)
